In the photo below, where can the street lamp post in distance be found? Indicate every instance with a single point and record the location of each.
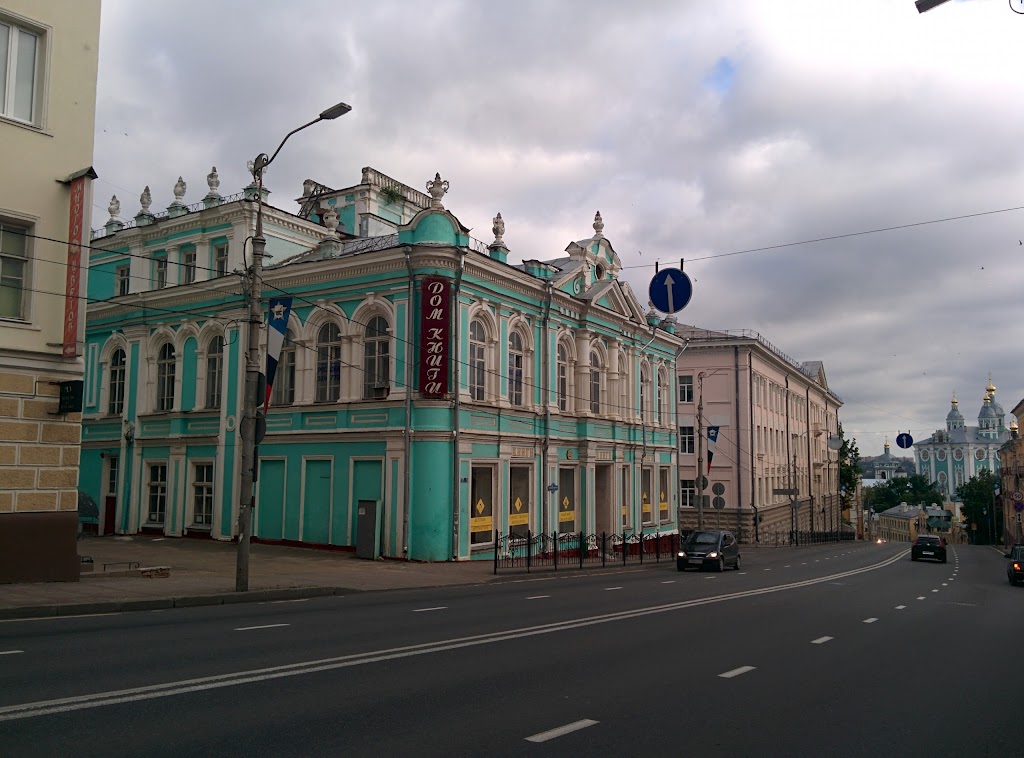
(250, 401)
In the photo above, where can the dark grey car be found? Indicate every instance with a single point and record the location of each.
(712, 548)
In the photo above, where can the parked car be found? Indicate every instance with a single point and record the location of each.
(711, 548)
(928, 546)
(1015, 567)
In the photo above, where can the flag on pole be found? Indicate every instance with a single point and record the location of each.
(712, 439)
(277, 323)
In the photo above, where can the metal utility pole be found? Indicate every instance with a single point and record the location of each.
(250, 401)
(700, 451)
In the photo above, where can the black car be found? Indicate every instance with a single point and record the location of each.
(712, 548)
(1015, 568)
(930, 547)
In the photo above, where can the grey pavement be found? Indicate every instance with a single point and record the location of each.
(202, 572)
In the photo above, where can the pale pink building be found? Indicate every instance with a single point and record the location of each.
(775, 417)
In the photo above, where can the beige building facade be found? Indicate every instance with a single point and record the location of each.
(774, 418)
(49, 52)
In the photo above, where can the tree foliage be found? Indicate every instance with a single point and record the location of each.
(980, 505)
(916, 490)
(849, 463)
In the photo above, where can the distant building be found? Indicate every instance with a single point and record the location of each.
(48, 64)
(902, 523)
(1011, 469)
(884, 468)
(953, 455)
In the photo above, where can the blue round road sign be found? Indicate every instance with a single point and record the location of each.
(670, 290)
(904, 440)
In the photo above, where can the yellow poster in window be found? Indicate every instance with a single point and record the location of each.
(480, 524)
(518, 519)
(566, 516)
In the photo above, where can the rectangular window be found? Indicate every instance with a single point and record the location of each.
(646, 509)
(481, 521)
(160, 273)
(566, 495)
(284, 380)
(202, 495)
(688, 493)
(13, 271)
(112, 467)
(157, 494)
(519, 500)
(124, 280)
(220, 259)
(663, 495)
(686, 439)
(214, 378)
(686, 389)
(626, 500)
(19, 72)
(188, 262)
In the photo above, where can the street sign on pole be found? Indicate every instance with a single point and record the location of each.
(904, 440)
(1017, 496)
(670, 290)
(1018, 507)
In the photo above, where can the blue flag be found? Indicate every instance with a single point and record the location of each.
(712, 440)
(277, 327)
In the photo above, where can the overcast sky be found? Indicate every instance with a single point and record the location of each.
(697, 128)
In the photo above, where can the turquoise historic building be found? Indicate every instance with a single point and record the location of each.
(422, 373)
(953, 455)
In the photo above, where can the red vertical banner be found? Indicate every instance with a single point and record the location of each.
(435, 337)
(76, 230)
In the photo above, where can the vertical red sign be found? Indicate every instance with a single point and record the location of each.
(76, 230)
(435, 331)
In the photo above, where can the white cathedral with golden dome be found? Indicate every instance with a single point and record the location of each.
(953, 455)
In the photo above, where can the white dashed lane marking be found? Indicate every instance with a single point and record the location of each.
(670, 581)
(264, 626)
(920, 597)
(537, 597)
(821, 640)
(900, 607)
(737, 672)
(424, 610)
(609, 589)
(934, 590)
(551, 734)
(870, 620)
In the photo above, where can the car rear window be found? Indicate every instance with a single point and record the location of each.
(928, 540)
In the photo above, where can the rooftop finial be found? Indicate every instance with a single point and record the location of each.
(146, 199)
(114, 208)
(598, 226)
(437, 189)
(213, 181)
(179, 191)
(499, 230)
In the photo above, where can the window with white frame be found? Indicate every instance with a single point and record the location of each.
(115, 403)
(19, 72)
(688, 492)
(165, 368)
(157, 493)
(188, 264)
(686, 439)
(645, 394)
(284, 378)
(515, 368)
(477, 359)
(202, 494)
(220, 259)
(113, 463)
(595, 383)
(160, 273)
(686, 388)
(124, 279)
(376, 357)
(562, 369)
(214, 371)
(13, 271)
(663, 415)
(328, 364)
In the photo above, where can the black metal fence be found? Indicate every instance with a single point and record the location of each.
(532, 551)
(790, 538)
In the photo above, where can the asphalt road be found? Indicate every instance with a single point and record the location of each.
(840, 650)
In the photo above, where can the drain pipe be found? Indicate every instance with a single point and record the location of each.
(457, 406)
(409, 378)
(546, 400)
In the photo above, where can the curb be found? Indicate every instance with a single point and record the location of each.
(151, 604)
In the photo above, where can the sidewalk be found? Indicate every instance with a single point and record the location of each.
(202, 572)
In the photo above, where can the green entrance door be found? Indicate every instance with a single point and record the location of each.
(316, 502)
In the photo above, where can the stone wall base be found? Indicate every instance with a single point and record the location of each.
(39, 547)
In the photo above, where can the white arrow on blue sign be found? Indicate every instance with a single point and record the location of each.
(904, 440)
(670, 290)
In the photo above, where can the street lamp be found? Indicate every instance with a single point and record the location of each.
(250, 401)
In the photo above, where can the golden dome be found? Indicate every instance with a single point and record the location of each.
(1013, 426)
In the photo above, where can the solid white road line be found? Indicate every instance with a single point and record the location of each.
(609, 589)
(670, 581)
(424, 610)
(264, 626)
(296, 600)
(737, 672)
(575, 726)
(900, 607)
(11, 652)
(537, 597)
(870, 620)
(821, 640)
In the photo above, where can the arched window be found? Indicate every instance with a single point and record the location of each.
(663, 414)
(328, 364)
(515, 368)
(214, 371)
(477, 359)
(165, 364)
(562, 367)
(595, 383)
(645, 395)
(376, 363)
(283, 392)
(115, 404)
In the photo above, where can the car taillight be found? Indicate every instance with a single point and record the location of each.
(1016, 567)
